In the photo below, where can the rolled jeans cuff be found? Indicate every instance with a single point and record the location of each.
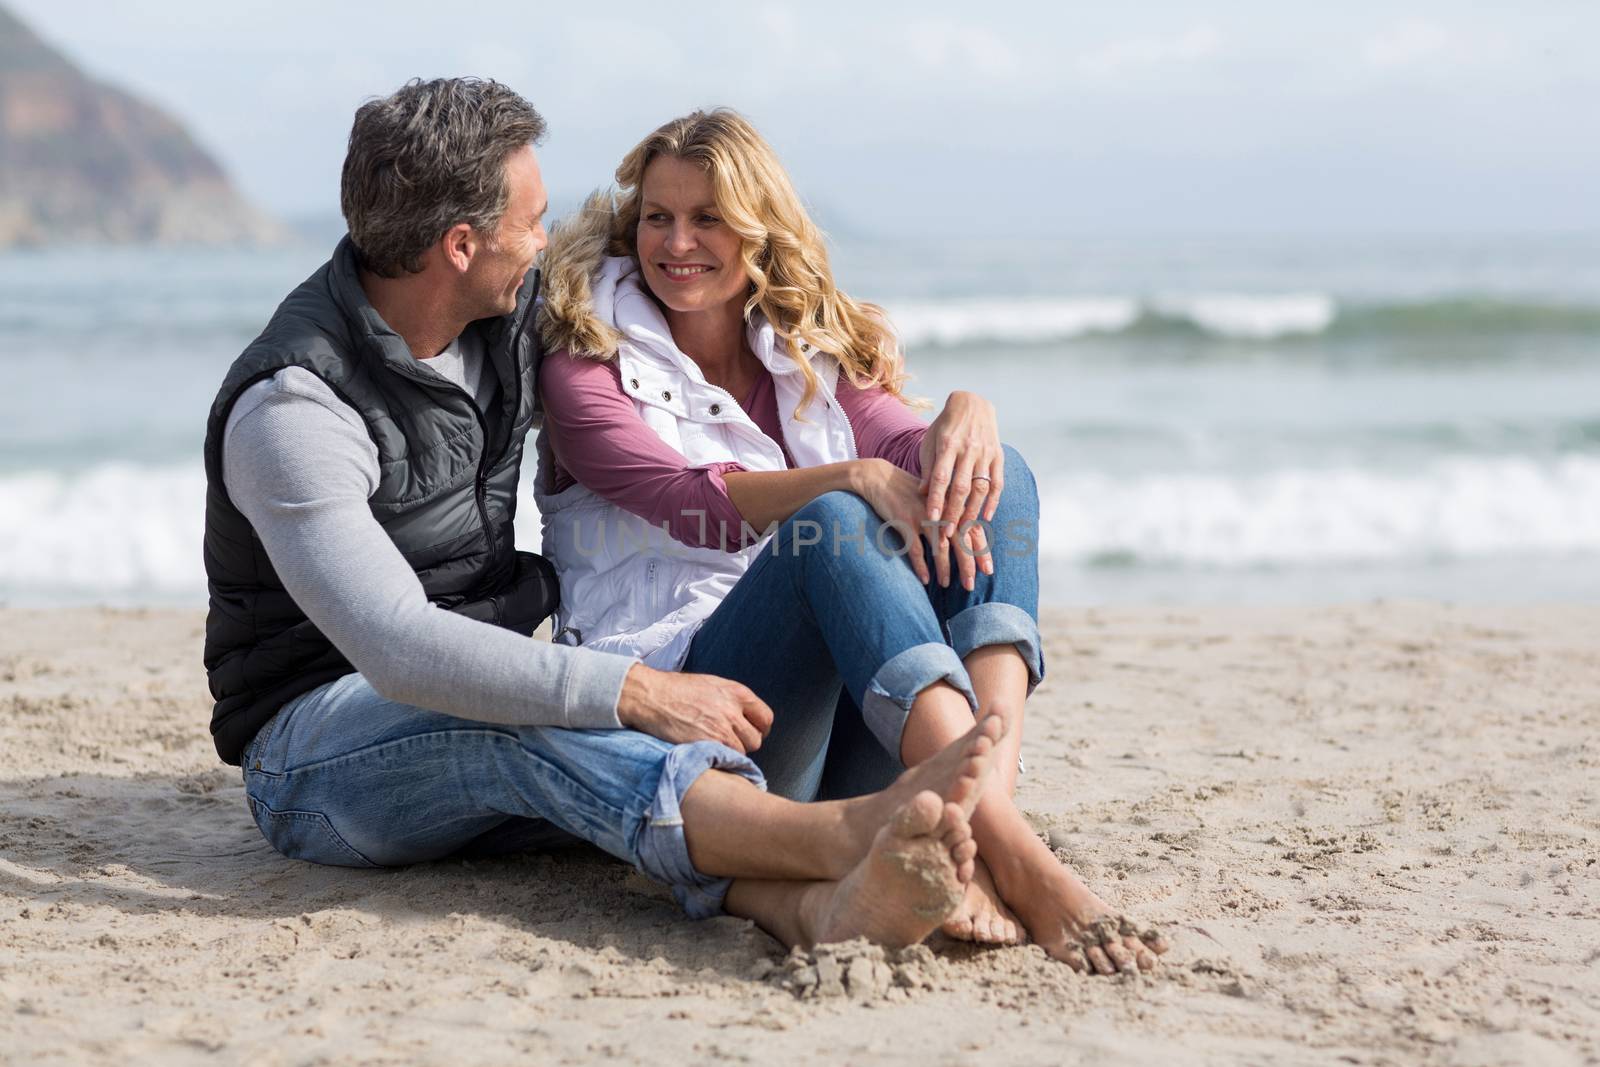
(999, 624)
(887, 702)
(663, 850)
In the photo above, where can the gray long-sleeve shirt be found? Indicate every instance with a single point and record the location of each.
(298, 463)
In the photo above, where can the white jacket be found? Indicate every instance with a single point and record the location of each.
(627, 586)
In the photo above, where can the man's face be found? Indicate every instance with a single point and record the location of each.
(496, 272)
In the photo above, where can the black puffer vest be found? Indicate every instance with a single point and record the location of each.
(446, 495)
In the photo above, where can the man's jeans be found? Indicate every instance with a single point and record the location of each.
(832, 629)
(343, 776)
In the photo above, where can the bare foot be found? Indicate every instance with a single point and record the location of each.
(957, 774)
(1074, 925)
(982, 917)
(907, 884)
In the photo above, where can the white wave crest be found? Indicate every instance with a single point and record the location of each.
(1460, 508)
(1230, 315)
(125, 532)
(954, 322)
(114, 530)
(1256, 318)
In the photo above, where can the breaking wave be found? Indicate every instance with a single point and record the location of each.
(1230, 316)
(123, 531)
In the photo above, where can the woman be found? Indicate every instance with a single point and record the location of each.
(706, 380)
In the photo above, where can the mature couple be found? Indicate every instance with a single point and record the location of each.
(816, 727)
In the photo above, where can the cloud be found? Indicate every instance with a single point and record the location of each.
(1137, 55)
(963, 48)
(1414, 44)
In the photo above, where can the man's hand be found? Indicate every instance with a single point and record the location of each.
(693, 707)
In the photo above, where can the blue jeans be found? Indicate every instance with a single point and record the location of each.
(833, 630)
(343, 776)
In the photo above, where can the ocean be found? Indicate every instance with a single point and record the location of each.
(1301, 420)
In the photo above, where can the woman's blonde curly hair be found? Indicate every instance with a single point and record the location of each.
(782, 250)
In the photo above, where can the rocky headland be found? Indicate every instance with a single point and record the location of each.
(82, 161)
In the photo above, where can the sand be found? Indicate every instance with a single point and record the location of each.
(1373, 833)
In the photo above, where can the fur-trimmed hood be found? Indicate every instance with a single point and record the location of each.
(578, 245)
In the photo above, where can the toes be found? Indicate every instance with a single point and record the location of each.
(1067, 952)
(957, 840)
(985, 735)
(1148, 940)
(992, 928)
(965, 857)
(1099, 960)
(920, 815)
(953, 824)
(958, 926)
(1120, 956)
(1142, 956)
(967, 786)
(981, 747)
(992, 727)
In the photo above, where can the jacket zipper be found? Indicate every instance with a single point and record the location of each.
(748, 425)
(833, 401)
(483, 476)
(481, 482)
(510, 427)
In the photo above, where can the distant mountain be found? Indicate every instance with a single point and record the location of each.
(81, 161)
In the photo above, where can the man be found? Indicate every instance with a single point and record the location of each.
(367, 638)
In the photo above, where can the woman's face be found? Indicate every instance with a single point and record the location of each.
(689, 256)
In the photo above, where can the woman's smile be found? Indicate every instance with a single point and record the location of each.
(684, 272)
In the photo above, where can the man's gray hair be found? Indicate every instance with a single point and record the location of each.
(426, 158)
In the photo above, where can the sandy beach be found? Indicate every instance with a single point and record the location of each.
(1373, 834)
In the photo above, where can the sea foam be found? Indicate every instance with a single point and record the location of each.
(1252, 317)
(958, 322)
(1229, 316)
(117, 529)
(121, 531)
(1450, 509)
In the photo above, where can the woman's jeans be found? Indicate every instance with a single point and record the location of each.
(831, 628)
(343, 776)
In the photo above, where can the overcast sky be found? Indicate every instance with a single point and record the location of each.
(979, 118)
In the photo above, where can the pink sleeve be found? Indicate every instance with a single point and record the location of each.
(885, 428)
(599, 440)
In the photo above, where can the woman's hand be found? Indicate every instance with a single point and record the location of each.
(963, 465)
(898, 499)
(681, 708)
